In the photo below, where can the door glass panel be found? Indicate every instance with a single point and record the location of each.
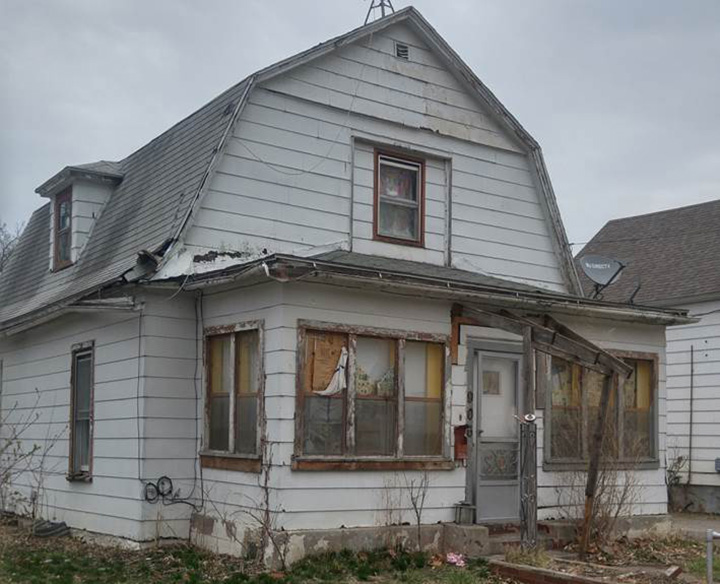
(498, 388)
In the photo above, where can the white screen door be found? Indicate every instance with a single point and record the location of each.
(497, 386)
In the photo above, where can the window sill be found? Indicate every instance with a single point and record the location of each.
(78, 477)
(399, 241)
(353, 464)
(230, 461)
(581, 465)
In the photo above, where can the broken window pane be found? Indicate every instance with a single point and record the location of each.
(376, 396)
(565, 435)
(424, 366)
(592, 386)
(638, 399)
(323, 425)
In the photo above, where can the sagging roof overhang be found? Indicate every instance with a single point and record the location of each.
(286, 268)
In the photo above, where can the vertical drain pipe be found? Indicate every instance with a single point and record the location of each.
(692, 409)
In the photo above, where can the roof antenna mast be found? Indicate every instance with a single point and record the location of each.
(385, 7)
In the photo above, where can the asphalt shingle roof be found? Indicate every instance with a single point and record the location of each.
(160, 182)
(673, 255)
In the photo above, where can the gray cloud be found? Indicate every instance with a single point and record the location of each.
(623, 95)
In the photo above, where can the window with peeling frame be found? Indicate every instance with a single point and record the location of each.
(370, 396)
(233, 392)
(573, 404)
(81, 409)
(399, 199)
(62, 229)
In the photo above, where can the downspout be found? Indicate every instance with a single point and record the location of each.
(692, 408)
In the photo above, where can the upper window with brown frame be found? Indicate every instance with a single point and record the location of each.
(399, 213)
(62, 230)
(81, 413)
(366, 395)
(234, 380)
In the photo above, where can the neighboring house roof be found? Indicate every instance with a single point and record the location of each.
(674, 256)
(162, 182)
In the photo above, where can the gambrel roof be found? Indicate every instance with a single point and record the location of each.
(162, 182)
(673, 256)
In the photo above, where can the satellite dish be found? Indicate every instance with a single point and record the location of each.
(601, 270)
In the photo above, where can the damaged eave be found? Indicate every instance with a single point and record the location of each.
(289, 268)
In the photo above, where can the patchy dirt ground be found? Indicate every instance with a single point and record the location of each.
(66, 560)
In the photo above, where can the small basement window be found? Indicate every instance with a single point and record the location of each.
(62, 230)
(399, 199)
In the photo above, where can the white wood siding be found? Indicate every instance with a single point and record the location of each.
(36, 379)
(704, 337)
(88, 200)
(297, 171)
(312, 500)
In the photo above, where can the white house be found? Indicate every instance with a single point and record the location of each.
(673, 259)
(299, 300)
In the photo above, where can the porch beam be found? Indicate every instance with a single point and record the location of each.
(565, 338)
(614, 362)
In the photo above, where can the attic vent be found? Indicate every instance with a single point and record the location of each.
(402, 51)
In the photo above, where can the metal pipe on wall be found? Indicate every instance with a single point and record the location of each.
(692, 409)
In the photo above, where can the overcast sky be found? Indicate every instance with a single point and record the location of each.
(623, 95)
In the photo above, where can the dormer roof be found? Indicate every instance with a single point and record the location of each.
(103, 172)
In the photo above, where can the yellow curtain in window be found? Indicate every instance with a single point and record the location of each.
(434, 371)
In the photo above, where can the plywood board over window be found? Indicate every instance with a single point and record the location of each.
(233, 406)
(369, 398)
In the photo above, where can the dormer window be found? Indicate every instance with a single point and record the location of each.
(63, 229)
(399, 199)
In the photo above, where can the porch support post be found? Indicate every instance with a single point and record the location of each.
(594, 467)
(528, 372)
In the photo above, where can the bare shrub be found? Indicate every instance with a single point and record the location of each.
(417, 490)
(20, 456)
(617, 492)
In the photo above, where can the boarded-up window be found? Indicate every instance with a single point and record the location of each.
(233, 392)
(399, 199)
(424, 370)
(360, 416)
(62, 240)
(82, 406)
